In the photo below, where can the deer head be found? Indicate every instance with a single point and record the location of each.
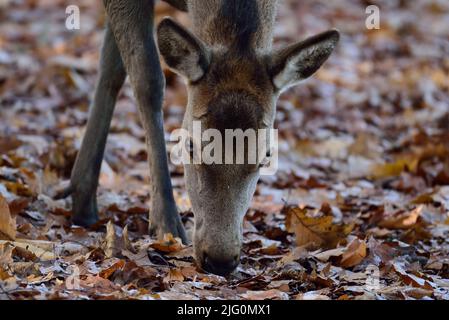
(234, 79)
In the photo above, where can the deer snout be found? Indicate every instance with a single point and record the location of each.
(221, 266)
(217, 250)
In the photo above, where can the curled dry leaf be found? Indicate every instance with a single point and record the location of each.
(168, 244)
(417, 293)
(112, 244)
(174, 275)
(272, 294)
(98, 284)
(7, 222)
(411, 279)
(315, 231)
(126, 241)
(405, 220)
(4, 274)
(326, 255)
(354, 254)
(107, 273)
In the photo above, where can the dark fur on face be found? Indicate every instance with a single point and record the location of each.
(234, 93)
(234, 110)
(239, 21)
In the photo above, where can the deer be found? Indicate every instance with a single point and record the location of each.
(234, 78)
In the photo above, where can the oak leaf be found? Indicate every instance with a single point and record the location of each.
(315, 231)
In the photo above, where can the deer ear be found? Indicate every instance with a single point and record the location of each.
(301, 60)
(182, 51)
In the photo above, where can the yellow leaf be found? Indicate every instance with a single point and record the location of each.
(410, 161)
(7, 222)
(394, 169)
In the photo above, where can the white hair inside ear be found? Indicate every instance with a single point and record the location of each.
(299, 61)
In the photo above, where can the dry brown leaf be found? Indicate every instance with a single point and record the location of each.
(326, 255)
(4, 274)
(417, 293)
(174, 275)
(168, 244)
(315, 231)
(98, 284)
(272, 294)
(404, 220)
(7, 222)
(411, 279)
(112, 244)
(24, 254)
(189, 272)
(46, 250)
(127, 244)
(313, 295)
(107, 273)
(354, 254)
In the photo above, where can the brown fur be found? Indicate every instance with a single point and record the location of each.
(209, 25)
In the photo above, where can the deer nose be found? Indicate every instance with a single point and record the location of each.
(219, 266)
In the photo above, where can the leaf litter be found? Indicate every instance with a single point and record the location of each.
(359, 208)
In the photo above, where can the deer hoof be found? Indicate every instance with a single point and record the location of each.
(85, 212)
(170, 222)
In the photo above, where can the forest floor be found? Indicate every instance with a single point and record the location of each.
(359, 208)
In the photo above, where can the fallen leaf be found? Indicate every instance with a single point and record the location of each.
(354, 254)
(112, 244)
(174, 275)
(326, 255)
(107, 273)
(315, 231)
(312, 295)
(168, 244)
(405, 220)
(395, 168)
(272, 294)
(411, 279)
(7, 222)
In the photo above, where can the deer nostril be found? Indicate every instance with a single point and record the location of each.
(219, 266)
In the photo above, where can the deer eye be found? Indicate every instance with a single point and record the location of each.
(189, 147)
(266, 161)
